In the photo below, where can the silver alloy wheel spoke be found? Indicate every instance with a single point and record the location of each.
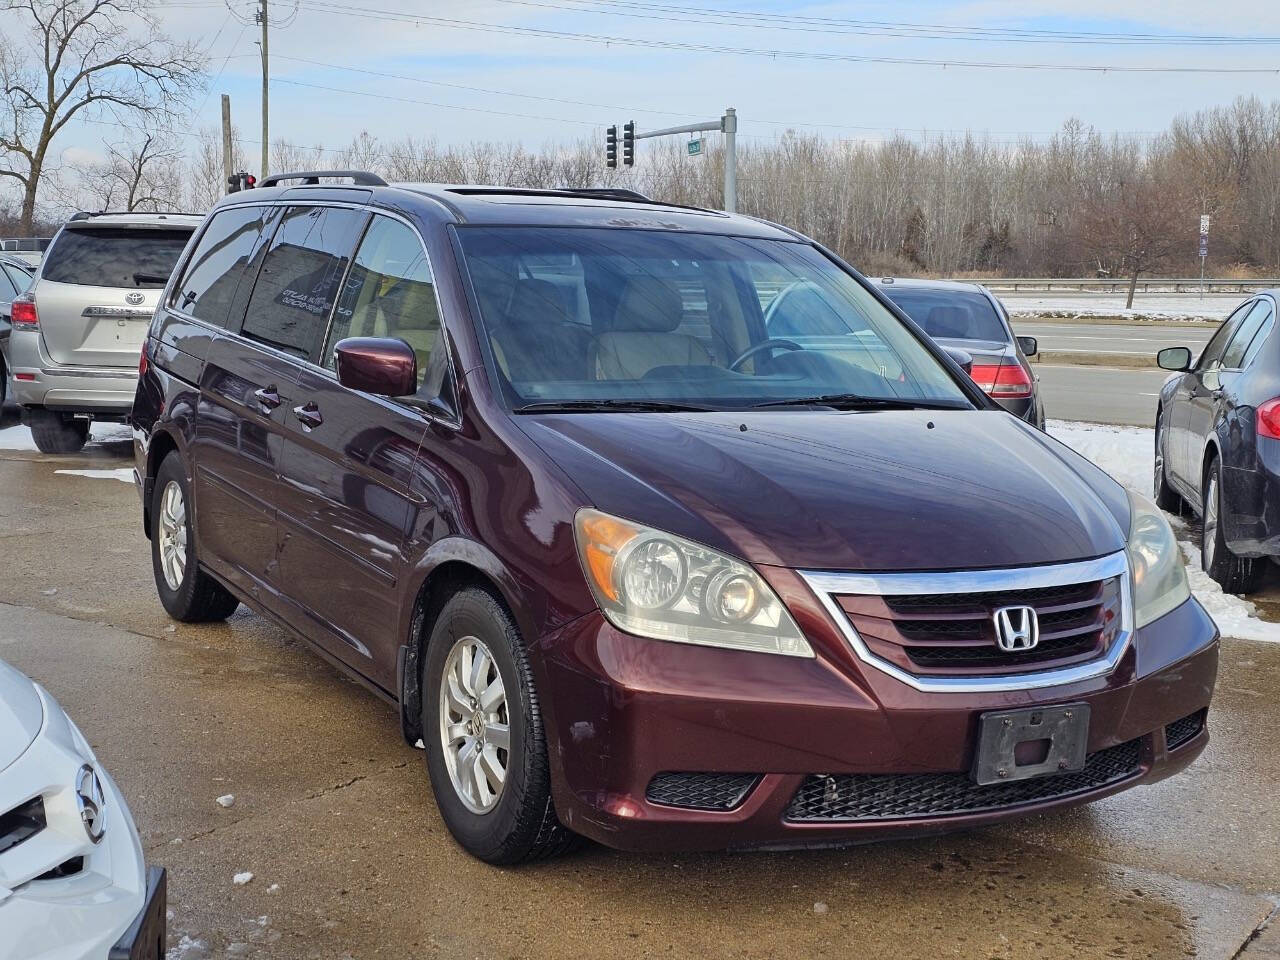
(173, 535)
(474, 724)
(1209, 535)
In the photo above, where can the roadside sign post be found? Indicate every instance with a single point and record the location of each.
(728, 125)
(1204, 248)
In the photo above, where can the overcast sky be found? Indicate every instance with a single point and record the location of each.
(587, 84)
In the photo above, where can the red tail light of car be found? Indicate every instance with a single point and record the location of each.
(1006, 380)
(1269, 419)
(23, 314)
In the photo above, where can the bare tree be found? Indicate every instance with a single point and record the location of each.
(75, 58)
(142, 175)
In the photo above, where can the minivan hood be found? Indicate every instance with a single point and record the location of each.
(873, 490)
(21, 714)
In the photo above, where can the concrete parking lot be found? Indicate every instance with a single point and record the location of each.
(333, 817)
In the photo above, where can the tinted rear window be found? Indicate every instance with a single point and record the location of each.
(110, 257)
(950, 314)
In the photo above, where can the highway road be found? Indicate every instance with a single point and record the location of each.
(1100, 394)
(1134, 339)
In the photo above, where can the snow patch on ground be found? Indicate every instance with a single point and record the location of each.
(1128, 454)
(1154, 307)
(124, 474)
(19, 437)
(240, 879)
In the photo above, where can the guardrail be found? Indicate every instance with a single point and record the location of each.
(1105, 285)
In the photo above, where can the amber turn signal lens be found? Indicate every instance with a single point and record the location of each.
(601, 538)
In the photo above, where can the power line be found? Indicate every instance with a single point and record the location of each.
(929, 31)
(320, 6)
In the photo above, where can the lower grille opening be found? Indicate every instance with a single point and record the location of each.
(67, 868)
(21, 823)
(1184, 730)
(866, 797)
(700, 791)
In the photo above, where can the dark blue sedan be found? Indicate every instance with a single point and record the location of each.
(1218, 442)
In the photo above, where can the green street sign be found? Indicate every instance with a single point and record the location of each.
(695, 147)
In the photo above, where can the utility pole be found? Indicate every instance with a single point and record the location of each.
(262, 17)
(727, 124)
(227, 171)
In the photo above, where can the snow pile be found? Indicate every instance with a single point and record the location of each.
(124, 474)
(1153, 307)
(19, 437)
(1128, 454)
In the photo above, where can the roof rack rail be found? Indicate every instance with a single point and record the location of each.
(82, 215)
(361, 178)
(608, 193)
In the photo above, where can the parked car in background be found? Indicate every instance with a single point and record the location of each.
(73, 881)
(15, 277)
(78, 331)
(1217, 442)
(537, 467)
(27, 249)
(966, 316)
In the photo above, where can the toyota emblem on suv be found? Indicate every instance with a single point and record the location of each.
(1017, 628)
(91, 802)
(134, 298)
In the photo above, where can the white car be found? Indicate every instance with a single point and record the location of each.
(73, 883)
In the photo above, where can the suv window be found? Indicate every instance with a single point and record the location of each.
(1260, 337)
(19, 278)
(1233, 356)
(300, 277)
(388, 293)
(950, 314)
(1218, 342)
(218, 263)
(114, 256)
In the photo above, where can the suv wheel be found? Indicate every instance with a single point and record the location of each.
(187, 592)
(1234, 574)
(1166, 497)
(486, 750)
(57, 432)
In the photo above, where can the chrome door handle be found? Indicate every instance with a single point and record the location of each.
(308, 415)
(267, 397)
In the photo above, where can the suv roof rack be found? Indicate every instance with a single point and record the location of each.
(361, 178)
(82, 215)
(598, 193)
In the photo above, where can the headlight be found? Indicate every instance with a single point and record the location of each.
(1159, 578)
(661, 586)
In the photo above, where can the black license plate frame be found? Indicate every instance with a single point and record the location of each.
(1065, 726)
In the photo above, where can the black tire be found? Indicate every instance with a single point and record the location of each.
(1234, 574)
(197, 598)
(57, 432)
(1166, 497)
(522, 824)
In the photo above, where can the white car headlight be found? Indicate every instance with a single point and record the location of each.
(657, 585)
(1159, 578)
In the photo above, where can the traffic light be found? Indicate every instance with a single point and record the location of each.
(611, 147)
(629, 143)
(241, 181)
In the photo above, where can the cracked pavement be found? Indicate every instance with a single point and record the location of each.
(334, 818)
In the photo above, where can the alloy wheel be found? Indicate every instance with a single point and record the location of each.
(173, 535)
(1209, 534)
(475, 726)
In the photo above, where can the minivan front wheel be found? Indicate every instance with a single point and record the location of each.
(483, 734)
(56, 432)
(186, 592)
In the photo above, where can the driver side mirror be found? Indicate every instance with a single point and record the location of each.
(378, 365)
(1029, 346)
(1174, 358)
(962, 357)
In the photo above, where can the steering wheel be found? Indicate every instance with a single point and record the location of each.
(773, 343)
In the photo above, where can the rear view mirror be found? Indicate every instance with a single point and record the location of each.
(1174, 358)
(378, 365)
(1029, 346)
(962, 357)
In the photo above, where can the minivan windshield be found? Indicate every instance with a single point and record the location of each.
(114, 257)
(950, 314)
(582, 318)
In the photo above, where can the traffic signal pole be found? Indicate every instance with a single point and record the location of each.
(728, 125)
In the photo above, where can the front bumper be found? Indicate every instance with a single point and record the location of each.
(63, 897)
(39, 381)
(623, 710)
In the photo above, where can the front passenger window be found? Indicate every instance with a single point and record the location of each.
(389, 293)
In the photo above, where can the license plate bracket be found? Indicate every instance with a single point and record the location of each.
(1047, 739)
(146, 936)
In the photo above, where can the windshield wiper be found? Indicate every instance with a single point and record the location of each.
(854, 401)
(613, 404)
(141, 278)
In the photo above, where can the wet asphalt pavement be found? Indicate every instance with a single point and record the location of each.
(333, 815)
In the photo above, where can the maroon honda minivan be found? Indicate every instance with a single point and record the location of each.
(658, 526)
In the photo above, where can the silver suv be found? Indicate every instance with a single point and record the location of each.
(78, 331)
